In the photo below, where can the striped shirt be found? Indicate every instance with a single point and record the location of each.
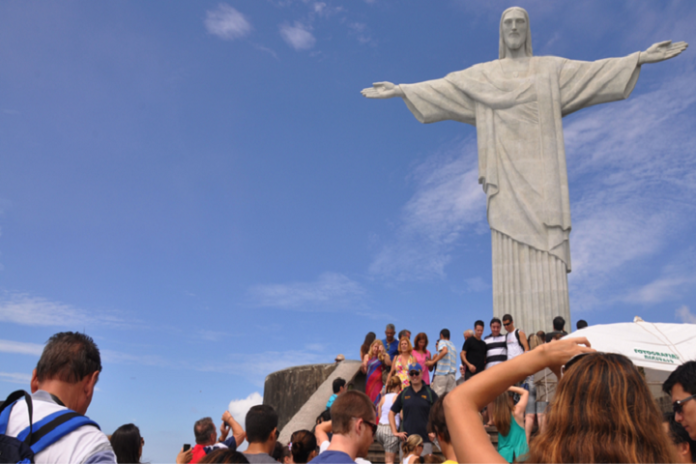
(496, 350)
(448, 364)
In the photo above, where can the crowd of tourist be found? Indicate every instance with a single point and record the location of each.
(600, 410)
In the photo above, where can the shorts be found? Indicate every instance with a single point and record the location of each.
(386, 438)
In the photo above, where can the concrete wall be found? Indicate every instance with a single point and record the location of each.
(289, 389)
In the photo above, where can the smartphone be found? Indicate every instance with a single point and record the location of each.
(187, 447)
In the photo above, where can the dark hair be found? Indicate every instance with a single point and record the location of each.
(479, 323)
(437, 423)
(126, 441)
(69, 357)
(352, 404)
(494, 320)
(224, 456)
(581, 324)
(507, 317)
(279, 450)
(419, 337)
(202, 430)
(403, 333)
(338, 383)
(542, 334)
(369, 338)
(303, 443)
(324, 416)
(678, 434)
(260, 422)
(445, 333)
(684, 375)
(558, 323)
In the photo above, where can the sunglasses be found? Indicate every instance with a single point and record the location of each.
(677, 405)
(414, 373)
(572, 361)
(372, 426)
(506, 323)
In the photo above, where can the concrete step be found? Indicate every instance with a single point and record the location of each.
(376, 453)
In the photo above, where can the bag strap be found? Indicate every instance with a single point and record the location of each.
(6, 410)
(517, 335)
(57, 428)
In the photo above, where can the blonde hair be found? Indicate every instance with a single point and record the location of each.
(382, 354)
(411, 443)
(394, 384)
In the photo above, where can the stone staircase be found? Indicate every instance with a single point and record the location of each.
(376, 453)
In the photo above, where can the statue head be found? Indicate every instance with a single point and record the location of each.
(514, 31)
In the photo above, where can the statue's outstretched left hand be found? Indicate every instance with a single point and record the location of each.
(662, 51)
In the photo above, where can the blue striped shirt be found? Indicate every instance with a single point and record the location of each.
(448, 364)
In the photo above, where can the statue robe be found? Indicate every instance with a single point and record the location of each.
(522, 165)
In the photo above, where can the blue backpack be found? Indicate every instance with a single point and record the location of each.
(36, 437)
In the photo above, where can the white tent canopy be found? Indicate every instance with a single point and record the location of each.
(657, 347)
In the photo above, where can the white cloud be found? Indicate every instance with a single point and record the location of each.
(256, 366)
(10, 346)
(328, 291)
(227, 23)
(24, 309)
(633, 175)
(117, 357)
(239, 408)
(297, 36)
(447, 203)
(15, 377)
(662, 289)
(361, 32)
(685, 315)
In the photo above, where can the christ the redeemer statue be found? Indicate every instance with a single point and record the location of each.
(517, 103)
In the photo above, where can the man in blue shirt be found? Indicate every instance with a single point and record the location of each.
(354, 424)
(391, 344)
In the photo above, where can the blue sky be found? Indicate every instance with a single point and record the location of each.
(201, 187)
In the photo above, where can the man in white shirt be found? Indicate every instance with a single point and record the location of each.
(516, 339)
(65, 378)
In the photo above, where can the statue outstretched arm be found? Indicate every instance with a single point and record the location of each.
(661, 51)
(382, 90)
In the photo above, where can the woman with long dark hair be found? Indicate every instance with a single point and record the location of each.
(365, 347)
(508, 418)
(602, 411)
(127, 444)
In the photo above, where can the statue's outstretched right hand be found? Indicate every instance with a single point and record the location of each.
(382, 90)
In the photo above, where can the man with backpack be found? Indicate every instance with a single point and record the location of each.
(516, 339)
(416, 401)
(51, 421)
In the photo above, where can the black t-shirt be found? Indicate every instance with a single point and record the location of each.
(476, 353)
(416, 408)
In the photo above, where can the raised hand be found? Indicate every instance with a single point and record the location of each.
(557, 353)
(382, 90)
(662, 51)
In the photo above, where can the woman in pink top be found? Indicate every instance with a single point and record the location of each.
(421, 353)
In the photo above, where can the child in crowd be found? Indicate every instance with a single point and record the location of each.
(412, 448)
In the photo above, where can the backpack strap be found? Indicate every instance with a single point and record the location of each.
(58, 428)
(517, 335)
(53, 427)
(6, 410)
